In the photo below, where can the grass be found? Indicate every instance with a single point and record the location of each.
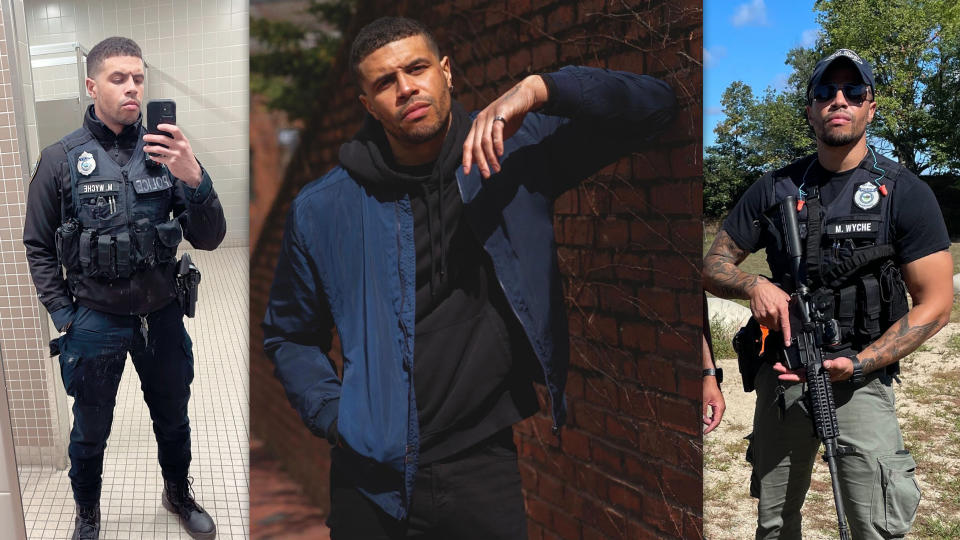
(951, 349)
(722, 335)
(934, 527)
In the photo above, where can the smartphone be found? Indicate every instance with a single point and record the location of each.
(161, 111)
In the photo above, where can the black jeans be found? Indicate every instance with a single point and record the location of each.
(92, 357)
(475, 494)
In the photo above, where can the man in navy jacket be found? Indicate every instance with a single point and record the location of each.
(431, 250)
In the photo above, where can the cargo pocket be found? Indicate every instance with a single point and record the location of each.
(69, 362)
(896, 494)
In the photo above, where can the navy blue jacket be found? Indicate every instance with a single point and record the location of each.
(348, 256)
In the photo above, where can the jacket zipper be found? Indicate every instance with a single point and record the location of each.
(506, 294)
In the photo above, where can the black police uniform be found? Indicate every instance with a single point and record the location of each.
(853, 253)
(98, 210)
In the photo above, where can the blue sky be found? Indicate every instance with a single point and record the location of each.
(748, 40)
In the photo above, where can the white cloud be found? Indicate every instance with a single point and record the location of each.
(711, 56)
(780, 81)
(714, 111)
(753, 13)
(809, 37)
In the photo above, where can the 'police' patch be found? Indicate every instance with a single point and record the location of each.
(86, 164)
(867, 196)
(151, 185)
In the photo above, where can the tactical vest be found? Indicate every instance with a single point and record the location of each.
(115, 220)
(849, 253)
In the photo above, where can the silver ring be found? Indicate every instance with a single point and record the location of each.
(499, 118)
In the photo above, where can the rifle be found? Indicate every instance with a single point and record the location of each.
(811, 328)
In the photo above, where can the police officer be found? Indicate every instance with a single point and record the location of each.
(113, 220)
(871, 231)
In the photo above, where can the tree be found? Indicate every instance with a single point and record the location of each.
(291, 62)
(912, 45)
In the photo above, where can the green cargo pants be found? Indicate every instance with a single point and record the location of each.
(879, 492)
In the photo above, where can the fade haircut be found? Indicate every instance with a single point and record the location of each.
(381, 32)
(108, 48)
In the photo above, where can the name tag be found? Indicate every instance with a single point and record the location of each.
(106, 187)
(845, 228)
(151, 185)
(853, 228)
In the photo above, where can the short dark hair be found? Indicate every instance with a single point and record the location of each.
(383, 31)
(108, 48)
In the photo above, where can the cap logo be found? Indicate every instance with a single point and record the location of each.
(845, 52)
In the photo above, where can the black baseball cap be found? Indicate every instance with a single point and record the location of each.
(842, 55)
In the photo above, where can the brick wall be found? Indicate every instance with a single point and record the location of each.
(628, 464)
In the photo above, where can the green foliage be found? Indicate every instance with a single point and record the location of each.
(292, 65)
(911, 44)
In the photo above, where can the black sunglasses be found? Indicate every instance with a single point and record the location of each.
(857, 93)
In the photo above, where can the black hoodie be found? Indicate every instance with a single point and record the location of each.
(472, 362)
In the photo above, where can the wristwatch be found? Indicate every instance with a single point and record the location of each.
(714, 372)
(857, 377)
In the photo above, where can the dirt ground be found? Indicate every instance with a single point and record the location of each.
(927, 404)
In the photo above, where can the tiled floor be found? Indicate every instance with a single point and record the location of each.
(219, 418)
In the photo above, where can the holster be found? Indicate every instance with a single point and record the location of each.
(755, 345)
(188, 282)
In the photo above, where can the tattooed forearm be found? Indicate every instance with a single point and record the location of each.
(721, 276)
(898, 341)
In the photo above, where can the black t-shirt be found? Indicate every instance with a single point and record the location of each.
(918, 225)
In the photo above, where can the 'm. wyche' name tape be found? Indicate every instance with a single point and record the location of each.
(841, 228)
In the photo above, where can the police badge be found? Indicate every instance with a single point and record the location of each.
(86, 164)
(866, 196)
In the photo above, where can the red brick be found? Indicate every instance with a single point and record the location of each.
(650, 165)
(565, 526)
(641, 471)
(686, 162)
(566, 203)
(606, 456)
(683, 488)
(528, 474)
(640, 405)
(628, 199)
(663, 516)
(534, 530)
(672, 341)
(680, 415)
(672, 199)
(622, 428)
(560, 18)
(574, 388)
(496, 68)
(603, 327)
(545, 55)
(590, 418)
(601, 391)
(650, 234)
(575, 443)
(551, 489)
(638, 335)
(613, 233)
(625, 497)
(633, 267)
(578, 231)
(520, 62)
(612, 523)
(656, 374)
(538, 511)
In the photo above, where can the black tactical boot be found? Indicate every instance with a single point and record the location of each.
(87, 524)
(178, 498)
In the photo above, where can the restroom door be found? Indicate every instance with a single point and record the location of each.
(11, 509)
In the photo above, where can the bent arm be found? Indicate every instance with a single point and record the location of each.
(200, 213)
(929, 280)
(298, 334)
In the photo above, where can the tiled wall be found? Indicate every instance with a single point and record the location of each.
(38, 425)
(197, 55)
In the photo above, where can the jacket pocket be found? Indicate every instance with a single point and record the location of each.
(896, 494)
